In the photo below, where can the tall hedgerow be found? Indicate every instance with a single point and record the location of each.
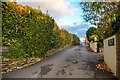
(30, 33)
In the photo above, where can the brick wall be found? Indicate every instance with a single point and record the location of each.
(118, 55)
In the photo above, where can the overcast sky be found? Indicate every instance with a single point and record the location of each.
(67, 14)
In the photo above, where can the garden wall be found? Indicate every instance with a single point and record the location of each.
(110, 52)
(93, 46)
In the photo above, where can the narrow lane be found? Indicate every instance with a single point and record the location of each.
(74, 62)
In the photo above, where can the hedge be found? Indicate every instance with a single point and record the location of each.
(30, 33)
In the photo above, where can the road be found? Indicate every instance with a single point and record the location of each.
(73, 62)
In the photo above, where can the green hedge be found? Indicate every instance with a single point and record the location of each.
(29, 32)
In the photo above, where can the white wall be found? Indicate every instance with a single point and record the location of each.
(93, 46)
(110, 54)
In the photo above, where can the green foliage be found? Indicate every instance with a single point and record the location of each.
(100, 44)
(90, 32)
(107, 13)
(76, 40)
(91, 38)
(29, 32)
(101, 11)
(114, 28)
(100, 33)
(88, 43)
(56, 39)
(115, 25)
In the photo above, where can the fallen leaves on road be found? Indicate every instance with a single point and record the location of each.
(103, 66)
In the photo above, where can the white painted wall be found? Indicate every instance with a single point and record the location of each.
(110, 54)
(93, 46)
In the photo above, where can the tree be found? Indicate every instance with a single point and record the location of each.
(91, 38)
(115, 25)
(100, 11)
(90, 32)
(100, 32)
(104, 13)
(15, 1)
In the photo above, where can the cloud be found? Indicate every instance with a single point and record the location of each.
(93, 26)
(82, 39)
(78, 28)
(76, 33)
(75, 9)
(56, 8)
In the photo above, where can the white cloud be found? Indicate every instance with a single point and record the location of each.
(82, 39)
(65, 26)
(55, 8)
(78, 28)
(76, 33)
(75, 9)
(93, 26)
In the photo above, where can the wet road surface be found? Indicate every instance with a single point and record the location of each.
(73, 62)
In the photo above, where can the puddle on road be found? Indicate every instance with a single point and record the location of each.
(77, 49)
(45, 69)
(66, 66)
(79, 53)
(35, 72)
(74, 62)
(62, 72)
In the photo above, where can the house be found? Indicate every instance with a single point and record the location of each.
(86, 40)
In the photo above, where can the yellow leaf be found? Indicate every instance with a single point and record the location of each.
(29, 11)
(109, 12)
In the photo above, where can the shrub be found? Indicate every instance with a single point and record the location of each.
(100, 44)
(88, 43)
(91, 38)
